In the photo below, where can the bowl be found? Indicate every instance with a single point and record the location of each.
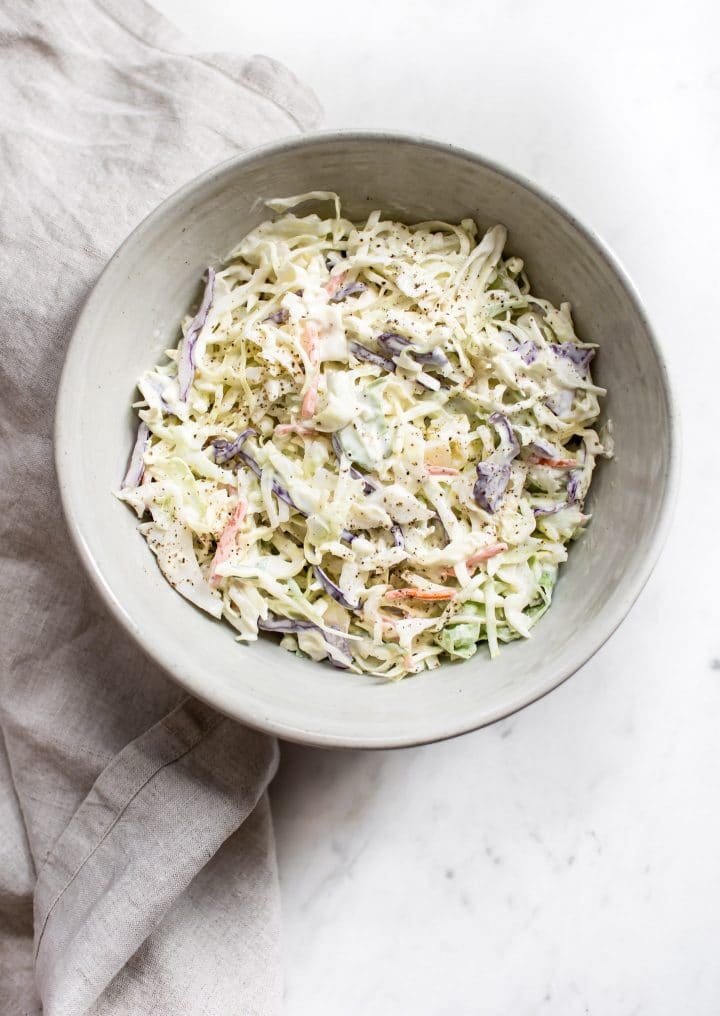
(132, 315)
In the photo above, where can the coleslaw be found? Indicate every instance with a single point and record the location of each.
(372, 440)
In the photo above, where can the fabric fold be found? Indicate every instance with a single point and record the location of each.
(155, 816)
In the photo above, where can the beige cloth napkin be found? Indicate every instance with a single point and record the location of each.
(133, 819)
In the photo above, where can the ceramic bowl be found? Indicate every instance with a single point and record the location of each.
(132, 315)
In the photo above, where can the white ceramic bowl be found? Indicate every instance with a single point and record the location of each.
(133, 314)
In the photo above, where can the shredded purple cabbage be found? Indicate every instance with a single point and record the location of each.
(136, 466)
(573, 485)
(435, 358)
(398, 536)
(158, 388)
(527, 350)
(561, 404)
(580, 358)
(538, 512)
(545, 451)
(250, 461)
(336, 446)
(226, 450)
(368, 487)
(289, 626)
(284, 625)
(494, 476)
(279, 317)
(436, 518)
(508, 441)
(279, 491)
(575, 477)
(332, 590)
(343, 645)
(186, 363)
(394, 344)
(491, 484)
(349, 290)
(363, 353)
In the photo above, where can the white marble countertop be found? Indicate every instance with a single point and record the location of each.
(565, 861)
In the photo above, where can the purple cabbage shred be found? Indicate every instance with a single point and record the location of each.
(279, 317)
(575, 478)
(394, 344)
(573, 485)
(494, 476)
(284, 625)
(363, 353)
(226, 450)
(136, 466)
(580, 358)
(368, 487)
(527, 350)
(348, 290)
(289, 626)
(333, 590)
(186, 363)
(561, 404)
(491, 484)
(538, 512)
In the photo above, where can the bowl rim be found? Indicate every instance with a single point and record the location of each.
(252, 713)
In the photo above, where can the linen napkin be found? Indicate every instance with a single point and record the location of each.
(137, 870)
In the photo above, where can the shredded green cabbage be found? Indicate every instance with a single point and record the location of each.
(421, 436)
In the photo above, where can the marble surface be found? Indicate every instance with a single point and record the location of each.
(566, 861)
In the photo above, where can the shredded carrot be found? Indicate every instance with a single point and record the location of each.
(537, 460)
(441, 471)
(295, 428)
(227, 541)
(335, 283)
(309, 402)
(482, 555)
(310, 344)
(412, 593)
(309, 338)
(485, 554)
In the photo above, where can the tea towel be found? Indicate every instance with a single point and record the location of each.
(137, 870)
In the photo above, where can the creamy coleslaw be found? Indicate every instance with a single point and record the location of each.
(372, 439)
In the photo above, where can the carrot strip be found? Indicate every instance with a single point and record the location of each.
(485, 554)
(295, 428)
(335, 283)
(309, 339)
(310, 336)
(226, 543)
(412, 593)
(482, 555)
(537, 460)
(441, 471)
(309, 402)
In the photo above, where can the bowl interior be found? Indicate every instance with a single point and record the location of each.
(133, 315)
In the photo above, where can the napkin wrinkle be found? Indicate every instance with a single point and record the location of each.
(102, 858)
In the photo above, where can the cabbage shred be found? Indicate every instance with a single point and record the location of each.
(421, 436)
